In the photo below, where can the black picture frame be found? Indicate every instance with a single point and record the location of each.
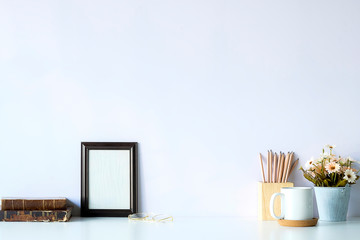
(85, 148)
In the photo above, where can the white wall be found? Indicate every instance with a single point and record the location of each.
(203, 86)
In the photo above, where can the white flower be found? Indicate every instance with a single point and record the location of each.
(325, 155)
(352, 160)
(309, 164)
(332, 167)
(330, 146)
(349, 176)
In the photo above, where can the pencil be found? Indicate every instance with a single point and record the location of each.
(288, 166)
(281, 166)
(285, 167)
(274, 169)
(278, 168)
(292, 167)
(268, 167)
(262, 168)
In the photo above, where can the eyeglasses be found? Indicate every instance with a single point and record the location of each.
(150, 217)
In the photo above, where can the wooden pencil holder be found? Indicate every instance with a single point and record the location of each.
(265, 191)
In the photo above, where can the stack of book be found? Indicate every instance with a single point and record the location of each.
(35, 210)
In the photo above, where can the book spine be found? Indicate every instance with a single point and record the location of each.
(36, 216)
(27, 204)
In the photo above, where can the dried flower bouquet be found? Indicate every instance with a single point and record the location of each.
(330, 171)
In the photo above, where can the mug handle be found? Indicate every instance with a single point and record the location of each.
(272, 201)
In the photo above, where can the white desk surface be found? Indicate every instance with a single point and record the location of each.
(202, 228)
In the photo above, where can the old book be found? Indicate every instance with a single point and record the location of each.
(33, 204)
(36, 216)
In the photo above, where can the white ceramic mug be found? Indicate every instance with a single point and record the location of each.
(296, 203)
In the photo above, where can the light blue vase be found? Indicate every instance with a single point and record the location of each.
(332, 203)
